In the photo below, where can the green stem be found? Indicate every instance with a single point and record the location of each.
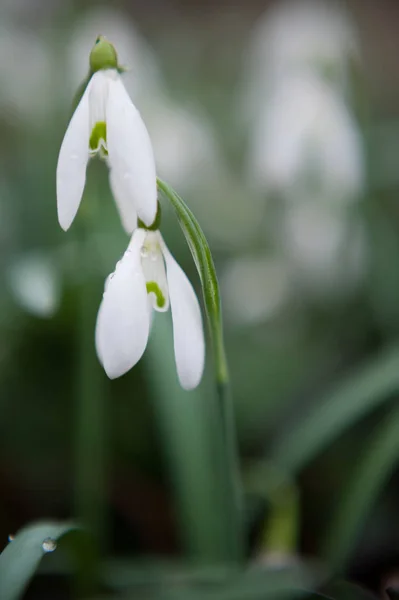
(230, 471)
(280, 531)
(226, 452)
(90, 442)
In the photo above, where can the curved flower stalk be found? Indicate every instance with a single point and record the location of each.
(228, 451)
(139, 285)
(106, 123)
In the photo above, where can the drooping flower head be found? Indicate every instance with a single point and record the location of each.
(148, 278)
(106, 123)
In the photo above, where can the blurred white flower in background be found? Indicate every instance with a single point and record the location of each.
(301, 34)
(307, 138)
(305, 146)
(255, 289)
(184, 144)
(327, 250)
(25, 74)
(34, 281)
(25, 10)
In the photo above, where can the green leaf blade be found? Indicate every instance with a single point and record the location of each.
(349, 401)
(21, 557)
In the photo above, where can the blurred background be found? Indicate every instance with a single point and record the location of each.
(278, 123)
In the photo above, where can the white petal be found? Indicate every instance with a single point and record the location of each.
(130, 152)
(188, 333)
(126, 208)
(123, 319)
(72, 163)
(153, 266)
(98, 96)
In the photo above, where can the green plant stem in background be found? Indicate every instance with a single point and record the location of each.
(371, 472)
(280, 531)
(90, 428)
(226, 452)
(185, 424)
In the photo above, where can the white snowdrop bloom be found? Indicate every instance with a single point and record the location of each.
(303, 34)
(183, 141)
(307, 138)
(267, 277)
(327, 250)
(107, 123)
(139, 285)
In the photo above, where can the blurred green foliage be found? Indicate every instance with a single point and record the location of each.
(314, 383)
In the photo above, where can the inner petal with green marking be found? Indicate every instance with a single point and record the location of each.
(98, 139)
(153, 266)
(153, 288)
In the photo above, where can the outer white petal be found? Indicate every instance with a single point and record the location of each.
(188, 332)
(130, 152)
(98, 96)
(123, 319)
(126, 208)
(72, 163)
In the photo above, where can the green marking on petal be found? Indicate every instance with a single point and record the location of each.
(153, 287)
(98, 135)
(103, 55)
(155, 225)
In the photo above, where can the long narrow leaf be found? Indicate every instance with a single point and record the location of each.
(369, 477)
(21, 557)
(226, 453)
(360, 393)
(186, 427)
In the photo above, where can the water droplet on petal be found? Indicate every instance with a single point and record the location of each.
(153, 255)
(144, 252)
(11, 537)
(49, 545)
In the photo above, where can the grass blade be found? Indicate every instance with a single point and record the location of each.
(21, 557)
(360, 393)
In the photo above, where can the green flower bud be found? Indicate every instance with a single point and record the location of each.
(103, 55)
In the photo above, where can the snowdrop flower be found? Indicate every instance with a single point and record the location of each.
(139, 285)
(35, 284)
(307, 137)
(301, 34)
(326, 249)
(107, 123)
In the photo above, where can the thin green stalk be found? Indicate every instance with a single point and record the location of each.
(230, 470)
(90, 411)
(280, 531)
(226, 452)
